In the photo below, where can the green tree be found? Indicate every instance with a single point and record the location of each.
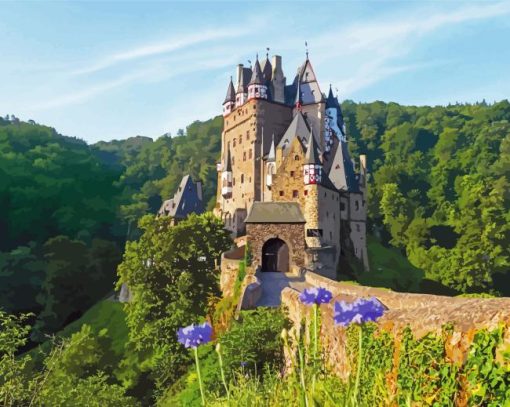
(171, 272)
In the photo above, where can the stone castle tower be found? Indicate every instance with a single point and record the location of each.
(282, 145)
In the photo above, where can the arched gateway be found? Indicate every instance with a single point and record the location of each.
(275, 256)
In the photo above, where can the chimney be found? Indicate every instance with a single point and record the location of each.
(278, 80)
(239, 76)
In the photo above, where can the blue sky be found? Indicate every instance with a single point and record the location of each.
(104, 70)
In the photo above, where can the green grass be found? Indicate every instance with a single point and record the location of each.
(105, 314)
(389, 269)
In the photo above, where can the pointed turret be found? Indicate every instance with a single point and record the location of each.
(226, 177)
(331, 101)
(312, 166)
(257, 88)
(312, 154)
(230, 99)
(256, 77)
(267, 69)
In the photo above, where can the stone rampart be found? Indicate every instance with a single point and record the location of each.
(422, 313)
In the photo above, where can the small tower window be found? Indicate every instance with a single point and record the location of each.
(306, 192)
(248, 135)
(244, 155)
(281, 193)
(356, 205)
(292, 173)
(240, 139)
(296, 157)
(242, 178)
(295, 193)
(249, 153)
(342, 206)
(234, 142)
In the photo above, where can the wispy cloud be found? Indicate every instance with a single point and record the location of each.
(379, 45)
(177, 43)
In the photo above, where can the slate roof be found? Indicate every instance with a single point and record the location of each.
(267, 69)
(312, 154)
(256, 77)
(297, 128)
(231, 93)
(343, 177)
(185, 201)
(275, 212)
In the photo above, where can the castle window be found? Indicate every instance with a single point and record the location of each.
(281, 193)
(292, 173)
(240, 139)
(242, 178)
(244, 155)
(234, 142)
(249, 153)
(248, 135)
(295, 193)
(296, 157)
(306, 192)
(356, 205)
(342, 206)
(363, 203)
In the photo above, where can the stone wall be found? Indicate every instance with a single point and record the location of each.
(291, 233)
(229, 269)
(422, 313)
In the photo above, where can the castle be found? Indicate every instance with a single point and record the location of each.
(285, 179)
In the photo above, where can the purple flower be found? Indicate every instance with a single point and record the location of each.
(360, 311)
(195, 335)
(315, 295)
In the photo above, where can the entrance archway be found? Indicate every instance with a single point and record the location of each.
(275, 256)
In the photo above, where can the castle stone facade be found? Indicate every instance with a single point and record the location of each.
(286, 179)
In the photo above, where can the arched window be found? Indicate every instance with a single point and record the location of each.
(296, 157)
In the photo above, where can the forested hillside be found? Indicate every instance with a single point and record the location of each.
(439, 193)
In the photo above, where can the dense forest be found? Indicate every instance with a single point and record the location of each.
(71, 213)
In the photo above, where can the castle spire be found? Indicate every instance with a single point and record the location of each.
(331, 101)
(231, 93)
(256, 77)
(299, 95)
(312, 154)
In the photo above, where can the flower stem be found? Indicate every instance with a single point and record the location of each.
(199, 376)
(223, 375)
(315, 345)
(302, 373)
(360, 356)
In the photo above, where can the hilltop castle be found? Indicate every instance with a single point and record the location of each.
(285, 179)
